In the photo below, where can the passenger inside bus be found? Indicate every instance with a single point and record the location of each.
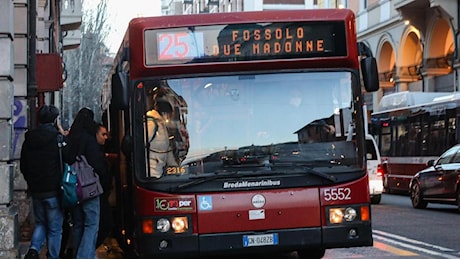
(158, 141)
(409, 143)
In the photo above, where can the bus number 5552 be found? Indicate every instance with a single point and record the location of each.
(337, 194)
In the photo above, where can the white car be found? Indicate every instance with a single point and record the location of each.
(374, 170)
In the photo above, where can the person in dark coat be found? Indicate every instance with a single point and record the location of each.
(40, 163)
(85, 215)
(106, 218)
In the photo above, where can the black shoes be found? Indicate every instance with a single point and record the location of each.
(32, 254)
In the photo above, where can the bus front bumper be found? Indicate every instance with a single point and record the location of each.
(244, 242)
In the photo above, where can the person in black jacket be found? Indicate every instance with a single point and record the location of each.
(85, 215)
(40, 164)
(105, 219)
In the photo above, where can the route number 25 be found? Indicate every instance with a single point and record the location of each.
(337, 194)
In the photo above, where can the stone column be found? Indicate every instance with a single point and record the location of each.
(8, 211)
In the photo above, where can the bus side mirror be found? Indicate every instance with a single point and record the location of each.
(370, 74)
(430, 163)
(120, 83)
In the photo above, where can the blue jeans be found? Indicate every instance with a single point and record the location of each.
(48, 225)
(86, 226)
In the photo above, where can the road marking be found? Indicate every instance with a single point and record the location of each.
(413, 241)
(393, 250)
(415, 244)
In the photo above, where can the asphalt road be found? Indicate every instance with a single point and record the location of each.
(402, 232)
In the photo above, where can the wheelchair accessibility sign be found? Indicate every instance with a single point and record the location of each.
(205, 203)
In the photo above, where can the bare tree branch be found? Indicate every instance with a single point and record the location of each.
(86, 68)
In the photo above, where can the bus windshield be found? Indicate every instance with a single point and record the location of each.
(211, 124)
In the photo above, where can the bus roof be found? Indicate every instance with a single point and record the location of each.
(408, 100)
(171, 21)
(134, 40)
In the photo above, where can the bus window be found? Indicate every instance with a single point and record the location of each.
(385, 140)
(402, 140)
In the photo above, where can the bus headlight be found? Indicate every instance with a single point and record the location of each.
(335, 215)
(163, 225)
(340, 215)
(174, 224)
(179, 224)
(350, 214)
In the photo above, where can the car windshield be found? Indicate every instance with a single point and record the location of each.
(249, 122)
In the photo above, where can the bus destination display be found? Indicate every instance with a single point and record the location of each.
(243, 42)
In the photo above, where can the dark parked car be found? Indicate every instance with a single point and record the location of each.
(439, 183)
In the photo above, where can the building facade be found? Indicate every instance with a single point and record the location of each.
(33, 36)
(415, 44)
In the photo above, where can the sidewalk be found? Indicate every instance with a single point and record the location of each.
(109, 250)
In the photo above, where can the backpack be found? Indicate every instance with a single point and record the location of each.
(88, 183)
(69, 181)
(79, 183)
(69, 187)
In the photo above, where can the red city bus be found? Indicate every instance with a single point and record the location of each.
(412, 128)
(241, 133)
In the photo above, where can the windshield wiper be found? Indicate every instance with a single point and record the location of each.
(202, 179)
(308, 169)
(323, 175)
(220, 174)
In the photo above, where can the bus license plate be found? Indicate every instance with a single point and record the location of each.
(260, 240)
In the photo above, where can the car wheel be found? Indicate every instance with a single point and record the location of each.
(416, 197)
(376, 199)
(311, 253)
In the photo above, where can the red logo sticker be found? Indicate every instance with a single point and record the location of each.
(174, 204)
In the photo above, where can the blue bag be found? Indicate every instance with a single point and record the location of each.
(69, 187)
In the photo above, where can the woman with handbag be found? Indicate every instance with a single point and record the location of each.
(86, 213)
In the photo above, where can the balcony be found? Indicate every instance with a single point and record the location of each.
(71, 14)
(71, 39)
(416, 10)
